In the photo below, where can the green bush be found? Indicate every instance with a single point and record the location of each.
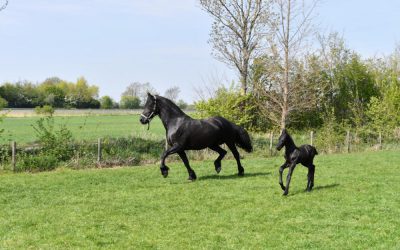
(34, 163)
(45, 110)
(232, 105)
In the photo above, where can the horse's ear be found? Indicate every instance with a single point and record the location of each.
(150, 95)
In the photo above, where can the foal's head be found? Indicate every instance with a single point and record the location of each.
(283, 139)
(150, 109)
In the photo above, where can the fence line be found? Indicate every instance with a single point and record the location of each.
(374, 142)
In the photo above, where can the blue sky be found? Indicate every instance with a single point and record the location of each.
(115, 42)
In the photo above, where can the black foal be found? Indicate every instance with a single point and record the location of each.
(293, 155)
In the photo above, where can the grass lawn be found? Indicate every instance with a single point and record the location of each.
(354, 205)
(83, 127)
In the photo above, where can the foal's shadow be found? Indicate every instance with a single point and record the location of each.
(232, 176)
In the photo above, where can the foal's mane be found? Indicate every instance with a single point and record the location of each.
(289, 138)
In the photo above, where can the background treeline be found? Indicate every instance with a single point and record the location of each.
(59, 93)
(335, 90)
(53, 91)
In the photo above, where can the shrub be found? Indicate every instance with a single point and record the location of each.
(33, 163)
(45, 110)
(232, 105)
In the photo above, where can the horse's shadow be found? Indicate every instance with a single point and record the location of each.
(326, 186)
(232, 176)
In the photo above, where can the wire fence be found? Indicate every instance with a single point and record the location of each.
(131, 151)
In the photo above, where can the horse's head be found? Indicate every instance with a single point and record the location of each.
(282, 140)
(150, 109)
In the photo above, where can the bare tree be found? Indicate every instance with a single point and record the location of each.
(172, 93)
(237, 32)
(2, 7)
(137, 89)
(283, 87)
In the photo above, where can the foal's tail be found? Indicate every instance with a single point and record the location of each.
(242, 138)
(315, 151)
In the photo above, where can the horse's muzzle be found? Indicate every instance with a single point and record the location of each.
(144, 120)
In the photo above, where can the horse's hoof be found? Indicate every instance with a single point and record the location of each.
(218, 170)
(285, 193)
(241, 174)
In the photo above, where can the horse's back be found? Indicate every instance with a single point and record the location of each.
(203, 133)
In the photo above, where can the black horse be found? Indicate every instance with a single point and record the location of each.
(184, 133)
(293, 155)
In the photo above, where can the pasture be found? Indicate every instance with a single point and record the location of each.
(354, 205)
(87, 127)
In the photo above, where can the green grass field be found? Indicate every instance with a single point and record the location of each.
(83, 127)
(354, 205)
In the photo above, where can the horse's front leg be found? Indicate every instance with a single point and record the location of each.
(172, 150)
(289, 177)
(285, 165)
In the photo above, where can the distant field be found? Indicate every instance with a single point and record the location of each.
(89, 127)
(355, 205)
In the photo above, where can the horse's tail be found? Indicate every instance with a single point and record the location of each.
(242, 139)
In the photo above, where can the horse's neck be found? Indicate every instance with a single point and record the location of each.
(171, 115)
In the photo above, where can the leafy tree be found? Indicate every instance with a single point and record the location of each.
(106, 102)
(130, 102)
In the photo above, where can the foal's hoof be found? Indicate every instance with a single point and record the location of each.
(241, 173)
(192, 178)
(218, 170)
(285, 193)
(164, 172)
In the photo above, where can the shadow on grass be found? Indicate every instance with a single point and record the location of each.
(326, 186)
(232, 176)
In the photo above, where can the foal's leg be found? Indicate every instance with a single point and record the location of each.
(217, 162)
(285, 165)
(235, 153)
(311, 171)
(289, 177)
(172, 150)
(192, 174)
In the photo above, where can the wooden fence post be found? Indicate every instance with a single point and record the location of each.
(312, 138)
(271, 138)
(13, 155)
(98, 150)
(380, 140)
(348, 141)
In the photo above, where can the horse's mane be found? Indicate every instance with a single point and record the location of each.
(170, 104)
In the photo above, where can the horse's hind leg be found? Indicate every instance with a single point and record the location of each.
(192, 174)
(235, 153)
(310, 176)
(217, 162)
